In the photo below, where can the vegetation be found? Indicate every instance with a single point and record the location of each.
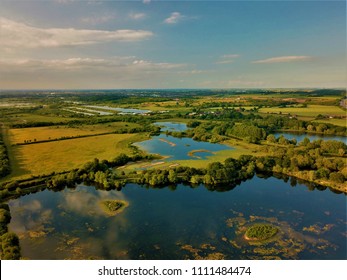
(9, 242)
(260, 232)
(49, 147)
(5, 168)
(113, 207)
(70, 154)
(306, 110)
(45, 134)
(5, 218)
(10, 249)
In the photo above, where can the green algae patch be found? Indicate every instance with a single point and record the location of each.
(113, 207)
(260, 232)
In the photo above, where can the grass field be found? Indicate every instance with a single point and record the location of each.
(27, 118)
(310, 111)
(163, 106)
(44, 158)
(339, 122)
(19, 135)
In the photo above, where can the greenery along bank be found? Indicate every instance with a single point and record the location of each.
(5, 168)
(315, 162)
(9, 242)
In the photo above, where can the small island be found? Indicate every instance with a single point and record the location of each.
(113, 207)
(193, 152)
(260, 232)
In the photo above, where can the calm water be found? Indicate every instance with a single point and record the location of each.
(180, 148)
(182, 223)
(170, 126)
(299, 137)
(122, 110)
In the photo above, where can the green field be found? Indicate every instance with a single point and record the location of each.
(28, 118)
(310, 111)
(339, 122)
(19, 135)
(44, 158)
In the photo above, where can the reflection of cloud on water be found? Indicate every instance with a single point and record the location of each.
(29, 217)
(79, 230)
(111, 245)
(32, 206)
(87, 203)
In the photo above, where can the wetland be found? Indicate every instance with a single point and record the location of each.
(175, 176)
(182, 222)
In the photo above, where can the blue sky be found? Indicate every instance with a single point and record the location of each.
(66, 44)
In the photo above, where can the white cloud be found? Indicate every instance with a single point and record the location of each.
(85, 72)
(146, 1)
(19, 35)
(137, 16)
(283, 59)
(85, 63)
(227, 58)
(175, 17)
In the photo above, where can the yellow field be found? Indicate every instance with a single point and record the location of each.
(310, 111)
(44, 158)
(19, 135)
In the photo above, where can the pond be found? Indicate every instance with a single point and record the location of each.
(171, 126)
(300, 136)
(122, 110)
(180, 148)
(182, 222)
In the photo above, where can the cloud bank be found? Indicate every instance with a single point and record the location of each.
(283, 59)
(19, 35)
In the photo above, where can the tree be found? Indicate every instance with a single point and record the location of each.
(271, 138)
(337, 177)
(172, 177)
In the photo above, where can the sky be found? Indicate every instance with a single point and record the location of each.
(90, 44)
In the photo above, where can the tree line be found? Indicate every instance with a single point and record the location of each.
(9, 242)
(5, 168)
(269, 123)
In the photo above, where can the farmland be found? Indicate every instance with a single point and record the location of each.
(34, 134)
(309, 111)
(43, 137)
(216, 141)
(44, 158)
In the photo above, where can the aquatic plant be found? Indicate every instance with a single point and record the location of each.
(260, 232)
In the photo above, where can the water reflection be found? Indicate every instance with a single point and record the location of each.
(300, 136)
(182, 222)
(171, 126)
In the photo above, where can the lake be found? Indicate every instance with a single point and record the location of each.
(300, 136)
(171, 126)
(182, 222)
(180, 148)
(121, 110)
